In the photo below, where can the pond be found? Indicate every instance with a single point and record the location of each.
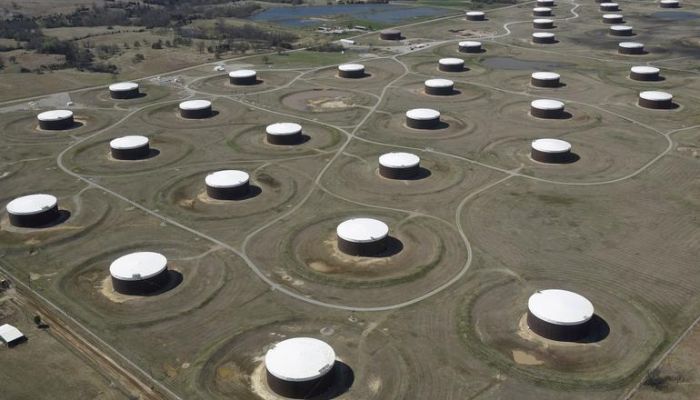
(314, 15)
(516, 64)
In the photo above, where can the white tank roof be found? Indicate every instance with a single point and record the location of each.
(612, 16)
(227, 178)
(541, 9)
(128, 142)
(631, 45)
(31, 204)
(390, 31)
(644, 69)
(543, 21)
(362, 230)
(55, 115)
(669, 2)
(422, 114)
(545, 1)
(399, 160)
(621, 28)
(299, 359)
(351, 67)
(138, 266)
(451, 61)
(545, 76)
(469, 43)
(653, 95)
(195, 104)
(544, 104)
(242, 73)
(475, 13)
(560, 307)
(608, 4)
(283, 128)
(551, 145)
(439, 83)
(123, 86)
(543, 35)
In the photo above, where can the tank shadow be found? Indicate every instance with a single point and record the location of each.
(63, 216)
(393, 247)
(599, 330)
(423, 173)
(174, 280)
(343, 378)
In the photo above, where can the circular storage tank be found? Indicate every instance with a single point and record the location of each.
(399, 165)
(621, 30)
(195, 109)
(547, 108)
(656, 100)
(132, 147)
(124, 90)
(609, 7)
(439, 87)
(613, 18)
(32, 211)
(283, 133)
(545, 79)
(55, 120)
(559, 315)
(451, 64)
(390, 34)
(630, 48)
(543, 23)
(644, 73)
(669, 4)
(552, 151)
(543, 38)
(362, 237)
(542, 12)
(545, 3)
(243, 77)
(476, 16)
(139, 273)
(300, 368)
(353, 71)
(469, 46)
(422, 118)
(228, 184)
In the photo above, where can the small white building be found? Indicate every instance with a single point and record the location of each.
(11, 336)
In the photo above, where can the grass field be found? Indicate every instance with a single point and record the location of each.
(441, 314)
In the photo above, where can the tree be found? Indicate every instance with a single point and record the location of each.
(2, 63)
(137, 44)
(39, 322)
(138, 58)
(157, 45)
(201, 46)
